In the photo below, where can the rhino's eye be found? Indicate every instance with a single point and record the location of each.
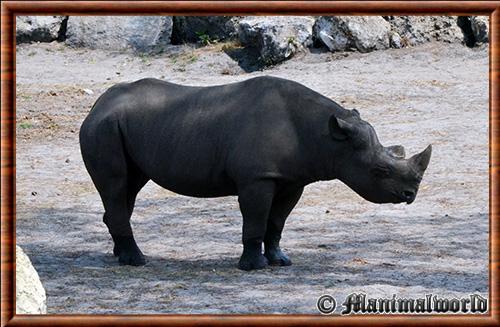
(381, 171)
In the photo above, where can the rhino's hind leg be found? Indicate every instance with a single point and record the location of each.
(118, 221)
(118, 197)
(283, 204)
(255, 203)
(118, 181)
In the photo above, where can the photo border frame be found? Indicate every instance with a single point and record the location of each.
(11, 9)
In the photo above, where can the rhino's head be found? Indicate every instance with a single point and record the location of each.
(377, 173)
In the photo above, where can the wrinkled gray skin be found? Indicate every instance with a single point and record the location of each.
(262, 139)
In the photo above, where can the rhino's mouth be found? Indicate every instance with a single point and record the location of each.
(409, 196)
(405, 196)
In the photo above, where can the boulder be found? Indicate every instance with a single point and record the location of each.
(39, 28)
(395, 40)
(204, 28)
(364, 33)
(479, 26)
(30, 294)
(276, 38)
(137, 33)
(414, 30)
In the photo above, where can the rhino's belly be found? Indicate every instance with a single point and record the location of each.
(187, 185)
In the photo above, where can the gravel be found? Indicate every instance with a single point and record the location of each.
(431, 94)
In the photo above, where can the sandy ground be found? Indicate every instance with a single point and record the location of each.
(339, 243)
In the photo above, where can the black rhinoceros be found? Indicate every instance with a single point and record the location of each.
(262, 139)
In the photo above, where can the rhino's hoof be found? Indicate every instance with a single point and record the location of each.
(278, 258)
(131, 258)
(252, 263)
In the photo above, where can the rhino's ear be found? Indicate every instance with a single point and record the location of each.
(397, 151)
(339, 128)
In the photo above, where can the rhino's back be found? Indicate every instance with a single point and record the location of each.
(200, 138)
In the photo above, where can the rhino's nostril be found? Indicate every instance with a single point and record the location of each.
(408, 194)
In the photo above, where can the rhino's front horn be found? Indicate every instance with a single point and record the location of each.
(421, 160)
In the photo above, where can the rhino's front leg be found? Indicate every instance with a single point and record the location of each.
(255, 201)
(283, 204)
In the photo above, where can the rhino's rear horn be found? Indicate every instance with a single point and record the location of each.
(397, 151)
(421, 161)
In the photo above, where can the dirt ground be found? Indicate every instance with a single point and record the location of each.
(338, 242)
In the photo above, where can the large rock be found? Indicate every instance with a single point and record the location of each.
(138, 33)
(364, 33)
(30, 294)
(414, 30)
(276, 38)
(39, 28)
(195, 28)
(479, 26)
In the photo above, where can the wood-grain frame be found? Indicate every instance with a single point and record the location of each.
(9, 9)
